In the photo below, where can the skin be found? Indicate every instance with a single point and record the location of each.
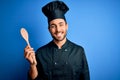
(58, 30)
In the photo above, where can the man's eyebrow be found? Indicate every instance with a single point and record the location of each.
(52, 24)
(60, 22)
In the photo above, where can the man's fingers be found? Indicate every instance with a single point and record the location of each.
(28, 54)
(28, 48)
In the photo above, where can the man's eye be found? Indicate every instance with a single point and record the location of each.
(61, 24)
(52, 26)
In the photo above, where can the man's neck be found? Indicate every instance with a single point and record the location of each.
(60, 43)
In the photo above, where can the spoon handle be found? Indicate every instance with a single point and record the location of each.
(28, 43)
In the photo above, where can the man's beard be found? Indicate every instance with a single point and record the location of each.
(57, 39)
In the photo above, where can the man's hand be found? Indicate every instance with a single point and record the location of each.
(29, 54)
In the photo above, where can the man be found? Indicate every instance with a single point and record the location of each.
(60, 59)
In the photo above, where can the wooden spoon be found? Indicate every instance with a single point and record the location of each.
(25, 36)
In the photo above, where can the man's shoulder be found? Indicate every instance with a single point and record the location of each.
(75, 45)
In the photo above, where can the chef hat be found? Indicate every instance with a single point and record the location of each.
(55, 10)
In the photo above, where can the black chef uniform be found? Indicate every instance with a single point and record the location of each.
(67, 63)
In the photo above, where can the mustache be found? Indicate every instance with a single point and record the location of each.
(58, 32)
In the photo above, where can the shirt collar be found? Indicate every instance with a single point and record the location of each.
(65, 45)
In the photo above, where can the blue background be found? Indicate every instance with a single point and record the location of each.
(94, 24)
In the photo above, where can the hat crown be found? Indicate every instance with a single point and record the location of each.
(55, 9)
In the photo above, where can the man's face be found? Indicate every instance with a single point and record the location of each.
(58, 29)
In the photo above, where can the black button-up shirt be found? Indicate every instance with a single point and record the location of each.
(67, 63)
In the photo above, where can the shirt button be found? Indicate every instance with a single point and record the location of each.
(65, 49)
(55, 63)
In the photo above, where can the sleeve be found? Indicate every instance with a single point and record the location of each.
(85, 69)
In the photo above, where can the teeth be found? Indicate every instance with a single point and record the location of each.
(59, 34)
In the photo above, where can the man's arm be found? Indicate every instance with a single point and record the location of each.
(85, 71)
(33, 72)
(29, 54)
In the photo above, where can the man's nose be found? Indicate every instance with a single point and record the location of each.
(57, 28)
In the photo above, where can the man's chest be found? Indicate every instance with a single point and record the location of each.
(62, 61)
